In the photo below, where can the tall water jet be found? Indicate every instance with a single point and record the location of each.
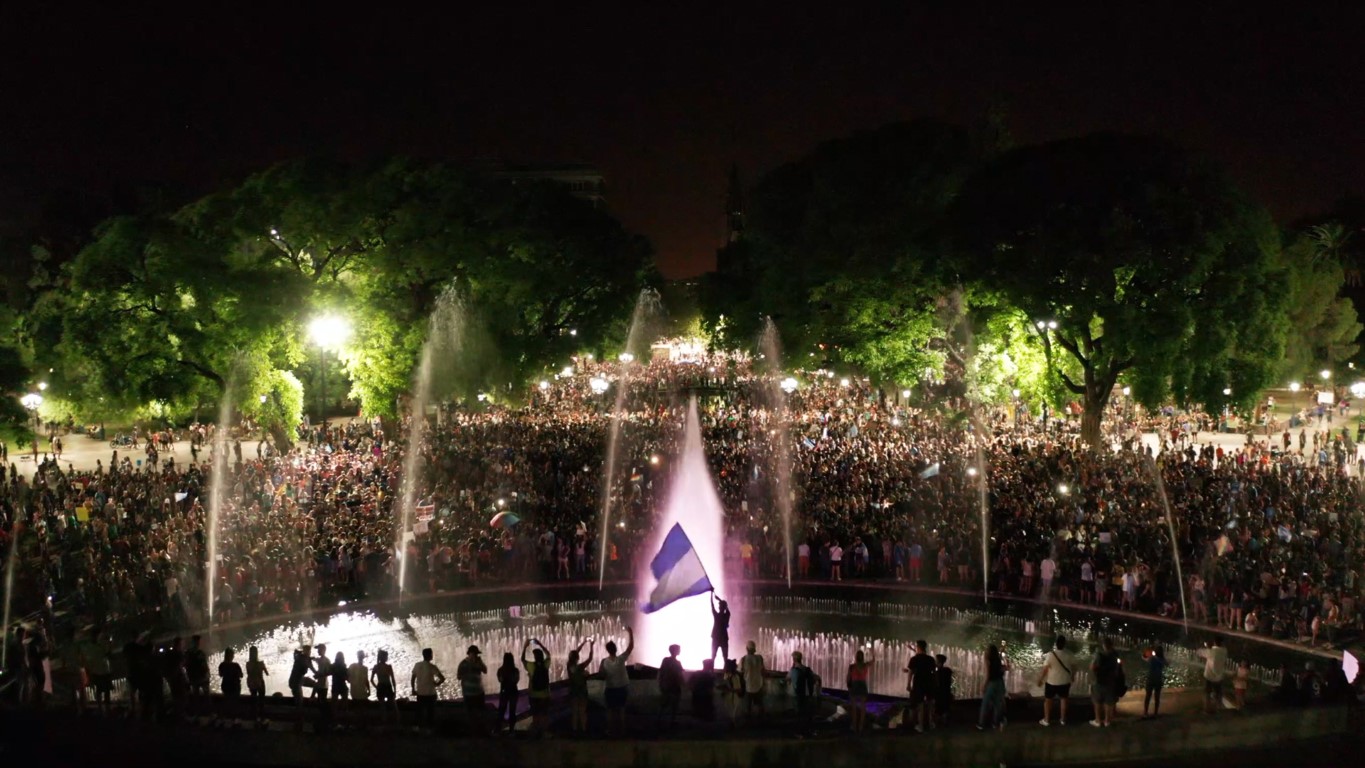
(1175, 548)
(217, 480)
(9, 590)
(642, 333)
(445, 333)
(692, 502)
(778, 436)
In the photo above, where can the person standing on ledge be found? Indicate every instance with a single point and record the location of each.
(720, 627)
(618, 683)
(752, 668)
(470, 673)
(426, 678)
(1056, 679)
(670, 685)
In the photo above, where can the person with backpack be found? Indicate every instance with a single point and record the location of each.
(1056, 678)
(804, 690)
(1105, 679)
(538, 672)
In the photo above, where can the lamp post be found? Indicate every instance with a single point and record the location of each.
(31, 401)
(1294, 388)
(328, 332)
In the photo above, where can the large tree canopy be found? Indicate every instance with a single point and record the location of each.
(840, 249)
(1134, 260)
(175, 307)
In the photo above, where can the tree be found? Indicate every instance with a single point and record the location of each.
(1323, 326)
(841, 250)
(160, 309)
(1149, 263)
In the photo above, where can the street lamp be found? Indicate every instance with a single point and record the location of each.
(626, 357)
(788, 385)
(328, 332)
(598, 385)
(31, 401)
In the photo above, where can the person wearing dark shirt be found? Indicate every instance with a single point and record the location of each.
(231, 674)
(704, 692)
(670, 685)
(943, 689)
(921, 684)
(720, 627)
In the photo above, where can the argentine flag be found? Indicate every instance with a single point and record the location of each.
(678, 571)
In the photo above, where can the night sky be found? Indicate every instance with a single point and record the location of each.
(663, 100)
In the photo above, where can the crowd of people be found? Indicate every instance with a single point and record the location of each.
(1264, 538)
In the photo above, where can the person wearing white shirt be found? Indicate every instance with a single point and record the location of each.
(1047, 570)
(1215, 659)
(426, 679)
(617, 678)
(1056, 678)
(836, 562)
(751, 668)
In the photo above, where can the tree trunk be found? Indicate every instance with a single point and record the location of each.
(1090, 423)
(283, 439)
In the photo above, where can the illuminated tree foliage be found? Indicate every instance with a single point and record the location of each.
(1151, 265)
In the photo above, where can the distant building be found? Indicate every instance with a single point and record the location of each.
(583, 180)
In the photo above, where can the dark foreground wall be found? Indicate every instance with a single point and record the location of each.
(1313, 736)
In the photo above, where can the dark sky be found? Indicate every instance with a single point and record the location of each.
(664, 99)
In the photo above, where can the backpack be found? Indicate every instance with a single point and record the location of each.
(540, 679)
(1120, 682)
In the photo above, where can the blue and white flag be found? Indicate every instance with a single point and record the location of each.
(678, 571)
(930, 472)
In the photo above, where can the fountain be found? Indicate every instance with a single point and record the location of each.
(1175, 550)
(778, 438)
(10, 558)
(217, 480)
(692, 501)
(445, 334)
(647, 309)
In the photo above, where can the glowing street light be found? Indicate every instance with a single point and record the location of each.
(567, 371)
(1227, 391)
(544, 385)
(1358, 389)
(844, 383)
(598, 385)
(1016, 393)
(626, 357)
(971, 471)
(654, 460)
(1325, 374)
(789, 385)
(1127, 391)
(262, 399)
(1063, 489)
(42, 386)
(905, 394)
(328, 332)
(1294, 386)
(31, 401)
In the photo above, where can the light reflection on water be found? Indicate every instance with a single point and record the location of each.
(779, 626)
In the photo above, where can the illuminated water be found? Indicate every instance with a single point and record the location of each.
(779, 625)
(692, 502)
(219, 478)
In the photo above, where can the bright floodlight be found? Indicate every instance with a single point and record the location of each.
(1052, 324)
(1127, 391)
(1063, 489)
(971, 471)
(626, 357)
(1227, 391)
(1294, 386)
(1324, 373)
(788, 385)
(598, 385)
(1016, 392)
(544, 385)
(1358, 389)
(329, 331)
(905, 393)
(573, 331)
(844, 382)
(42, 386)
(31, 401)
